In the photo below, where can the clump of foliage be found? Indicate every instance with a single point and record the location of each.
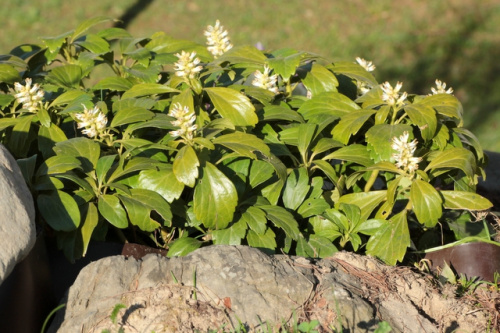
(183, 144)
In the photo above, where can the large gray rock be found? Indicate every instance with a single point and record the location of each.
(17, 215)
(223, 286)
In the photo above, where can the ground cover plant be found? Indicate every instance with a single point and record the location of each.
(180, 145)
(453, 40)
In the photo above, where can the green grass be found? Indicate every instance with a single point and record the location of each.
(457, 41)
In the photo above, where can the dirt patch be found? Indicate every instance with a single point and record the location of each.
(167, 308)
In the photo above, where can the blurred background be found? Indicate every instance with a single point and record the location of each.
(416, 42)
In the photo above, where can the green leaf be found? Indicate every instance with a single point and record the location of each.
(281, 112)
(272, 192)
(163, 182)
(104, 164)
(242, 55)
(58, 164)
(47, 183)
(132, 166)
(286, 66)
(379, 139)
(9, 74)
(162, 43)
(385, 166)
(454, 158)
(215, 198)
(67, 76)
(366, 201)
(255, 218)
(113, 83)
(312, 206)
(8, 122)
(114, 33)
(319, 79)
(44, 117)
(94, 44)
(470, 139)
(183, 246)
(305, 137)
(82, 183)
(427, 203)
(59, 210)
(325, 144)
(260, 172)
(339, 219)
(5, 100)
(390, 242)
(324, 105)
(290, 135)
(131, 115)
(353, 153)
(350, 124)
(266, 240)
(27, 167)
(86, 25)
(324, 227)
(161, 121)
(230, 236)
(111, 209)
(304, 249)
(296, 188)
(146, 89)
(138, 213)
(86, 150)
(353, 214)
(153, 201)
(327, 169)
(54, 43)
(90, 218)
(48, 137)
(354, 71)
(371, 226)
(186, 165)
(465, 200)
(446, 105)
(233, 105)
(424, 117)
(243, 144)
(69, 97)
(282, 219)
(20, 139)
(323, 247)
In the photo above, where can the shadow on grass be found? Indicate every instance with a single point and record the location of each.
(132, 12)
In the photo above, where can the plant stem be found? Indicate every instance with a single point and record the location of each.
(371, 180)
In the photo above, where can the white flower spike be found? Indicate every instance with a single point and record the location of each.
(391, 95)
(184, 119)
(404, 157)
(93, 121)
(187, 65)
(367, 65)
(265, 81)
(441, 88)
(29, 96)
(217, 39)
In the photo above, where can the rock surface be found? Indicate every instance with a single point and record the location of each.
(222, 286)
(17, 211)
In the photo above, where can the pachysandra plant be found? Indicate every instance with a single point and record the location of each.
(181, 145)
